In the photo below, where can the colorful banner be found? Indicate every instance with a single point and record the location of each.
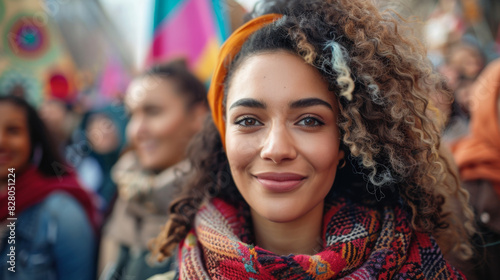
(189, 29)
(114, 79)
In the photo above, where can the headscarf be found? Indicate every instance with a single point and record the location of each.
(478, 154)
(228, 51)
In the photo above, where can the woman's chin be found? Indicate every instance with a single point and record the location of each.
(278, 212)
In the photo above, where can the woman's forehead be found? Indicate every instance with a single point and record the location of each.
(273, 75)
(150, 90)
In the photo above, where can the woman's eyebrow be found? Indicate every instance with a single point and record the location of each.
(308, 102)
(248, 102)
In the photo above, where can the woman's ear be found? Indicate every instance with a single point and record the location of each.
(340, 156)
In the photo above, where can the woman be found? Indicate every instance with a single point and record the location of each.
(167, 107)
(320, 161)
(102, 134)
(478, 159)
(56, 225)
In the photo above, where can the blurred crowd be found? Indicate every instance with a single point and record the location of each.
(99, 181)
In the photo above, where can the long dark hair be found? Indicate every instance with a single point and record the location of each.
(382, 81)
(43, 151)
(188, 86)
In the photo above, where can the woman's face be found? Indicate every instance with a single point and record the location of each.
(282, 138)
(160, 127)
(102, 134)
(15, 146)
(467, 61)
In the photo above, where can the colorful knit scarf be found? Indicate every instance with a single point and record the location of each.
(360, 243)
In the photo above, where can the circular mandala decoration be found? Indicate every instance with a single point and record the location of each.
(14, 82)
(26, 38)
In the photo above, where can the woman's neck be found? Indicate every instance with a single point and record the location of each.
(302, 236)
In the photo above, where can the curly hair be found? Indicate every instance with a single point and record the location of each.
(383, 82)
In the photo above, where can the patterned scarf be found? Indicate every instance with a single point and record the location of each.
(360, 243)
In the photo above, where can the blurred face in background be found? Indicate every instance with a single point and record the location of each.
(467, 61)
(102, 134)
(15, 146)
(160, 126)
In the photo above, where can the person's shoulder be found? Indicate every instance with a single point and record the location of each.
(62, 206)
(59, 198)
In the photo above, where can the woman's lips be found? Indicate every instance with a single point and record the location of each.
(147, 146)
(279, 182)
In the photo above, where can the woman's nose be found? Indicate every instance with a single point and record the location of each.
(278, 145)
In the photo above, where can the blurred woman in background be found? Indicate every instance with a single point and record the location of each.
(167, 106)
(478, 159)
(464, 62)
(102, 136)
(55, 230)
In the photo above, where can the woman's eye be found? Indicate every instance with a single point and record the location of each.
(14, 130)
(152, 111)
(310, 121)
(248, 122)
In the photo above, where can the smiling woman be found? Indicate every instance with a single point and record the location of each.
(161, 122)
(280, 112)
(39, 192)
(167, 106)
(319, 161)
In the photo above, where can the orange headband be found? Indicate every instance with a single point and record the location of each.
(228, 51)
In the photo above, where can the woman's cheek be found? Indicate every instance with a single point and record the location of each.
(172, 123)
(315, 146)
(241, 149)
(132, 129)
